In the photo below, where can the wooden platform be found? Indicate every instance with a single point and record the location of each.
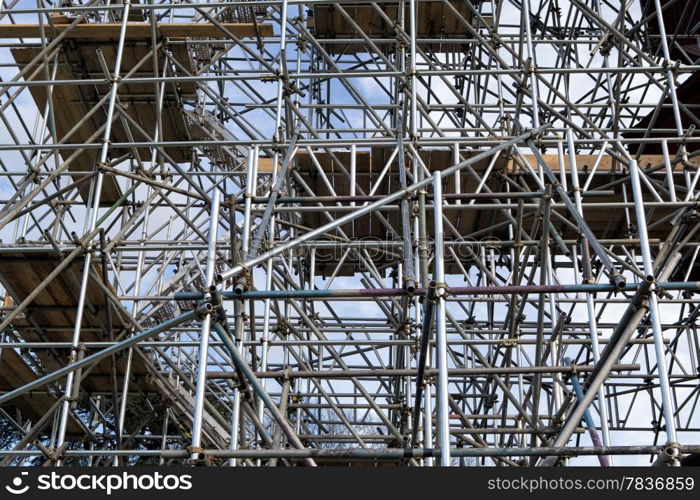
(369, 165)
(434, 21)
(79, 60)
(72, 103)
(98, 32)
(51, 317)
(15, 372)
(604, 222)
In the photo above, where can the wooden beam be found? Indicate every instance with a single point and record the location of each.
(134, 31)
(586, 162)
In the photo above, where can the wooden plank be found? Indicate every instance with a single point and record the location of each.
(586, 162)
(134, 31)
(440, 159)
(265, 164)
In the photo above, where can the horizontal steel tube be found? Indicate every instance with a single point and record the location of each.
(368, 453)
(454, 291)
(428, 372)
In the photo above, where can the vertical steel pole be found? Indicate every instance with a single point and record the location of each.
(664, 385)
(531, 55)
(249, 194)
(123, 400)
(353, 172)
(428, 417)
(236, 421)
(669, 171)
(443, 416)
(205, 330)
(413, 69)
(590, 304)
(282, 73)
(90, 223)
(421, 267)
(669, 77)
(458, 175)
(266, 313)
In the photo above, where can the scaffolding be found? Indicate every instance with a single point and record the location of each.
(349, 232)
